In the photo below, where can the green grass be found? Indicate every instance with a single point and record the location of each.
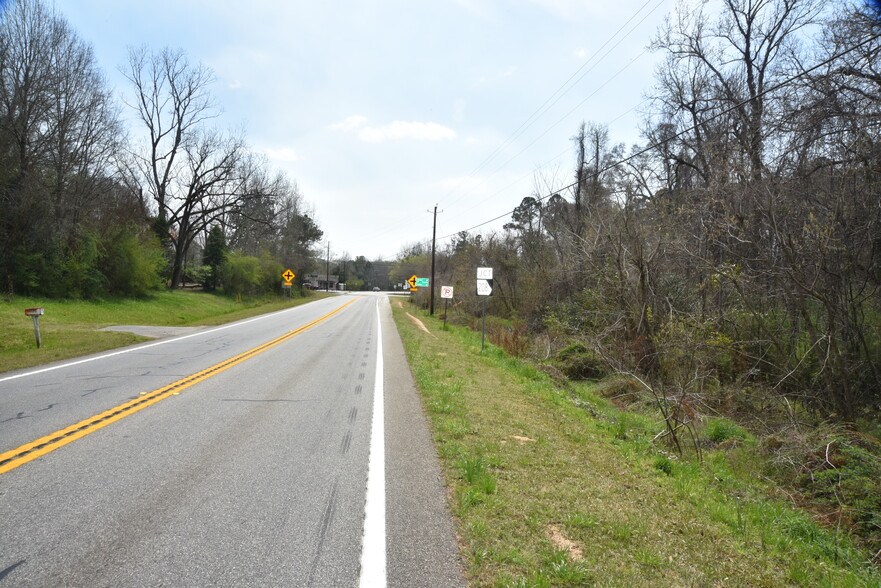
(70, 328)
(523, 457)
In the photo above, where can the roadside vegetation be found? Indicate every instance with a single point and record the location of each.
(723, 275)
(561, 483)
(71, 328)
(93, 207)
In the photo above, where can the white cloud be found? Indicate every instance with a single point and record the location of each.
(350, 123)
(407, 130)
(283, 154)
(480, 9)
(235, 84)
(575, 10)
(499, 75)
(420, 131)
(459, 110)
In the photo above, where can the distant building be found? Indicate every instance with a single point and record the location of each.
(322, 282)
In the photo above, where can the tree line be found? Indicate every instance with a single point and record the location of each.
(91, 207)
(739, 247)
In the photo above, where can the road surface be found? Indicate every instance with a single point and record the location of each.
(285, 450)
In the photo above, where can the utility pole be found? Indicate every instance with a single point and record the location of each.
(327, 269)
(431, 283)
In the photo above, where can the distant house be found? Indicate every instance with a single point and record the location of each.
(322, 282)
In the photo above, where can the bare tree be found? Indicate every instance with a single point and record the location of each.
(192, 173)
(58, 127)
(732, 62)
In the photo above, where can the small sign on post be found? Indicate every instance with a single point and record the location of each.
(36, 313)
(484, 288)
(484, 281)
(446, 294)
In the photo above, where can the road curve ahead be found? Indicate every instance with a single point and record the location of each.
(234, 456)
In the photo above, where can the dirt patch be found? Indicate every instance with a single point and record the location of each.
(522, 439)
(560, 542)
(519, 438)
(419, 324)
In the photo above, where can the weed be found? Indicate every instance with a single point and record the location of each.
(664, 464)
(579, 520)
(721, 430)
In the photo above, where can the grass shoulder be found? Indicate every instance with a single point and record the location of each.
(71, 328)
(556, 486)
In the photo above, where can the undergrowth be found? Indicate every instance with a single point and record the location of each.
(530, 458)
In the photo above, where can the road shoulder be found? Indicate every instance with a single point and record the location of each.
(422, 545)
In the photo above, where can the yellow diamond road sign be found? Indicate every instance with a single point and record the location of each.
(412, 282)
(288, 275)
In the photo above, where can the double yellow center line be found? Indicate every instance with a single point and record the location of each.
(31, 451)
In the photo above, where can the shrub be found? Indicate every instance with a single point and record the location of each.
(246, 275)
(74, 270)
(579, 363)
(720, 430)
(240, 274)
(133, 262)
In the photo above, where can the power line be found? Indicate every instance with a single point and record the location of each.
(558, 94)
(655, 145)
(552, 100)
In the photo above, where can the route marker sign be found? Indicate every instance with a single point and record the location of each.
(446, 291)
(288, 275)
(484, 288)
(484, 281)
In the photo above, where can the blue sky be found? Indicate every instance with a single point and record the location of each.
(382, 109)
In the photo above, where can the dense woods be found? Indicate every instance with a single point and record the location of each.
(740, 244)
(89, 207)
(730, 264)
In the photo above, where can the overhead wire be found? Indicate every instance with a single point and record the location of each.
(557, 95)
(550, 102)
(657, 144)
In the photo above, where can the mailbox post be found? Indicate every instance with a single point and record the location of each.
(35, 313)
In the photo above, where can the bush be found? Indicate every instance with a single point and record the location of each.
(133, 262)
(579, 363)
(240, 274)
(720, 430)
(246, 275)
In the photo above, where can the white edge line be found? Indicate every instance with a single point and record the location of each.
(373, 544)
(144, 346)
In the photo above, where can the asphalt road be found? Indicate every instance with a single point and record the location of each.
(232, 456)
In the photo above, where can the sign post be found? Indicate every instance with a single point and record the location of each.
(484, 288)
(446, 294)
(288, 277)
(35, 313)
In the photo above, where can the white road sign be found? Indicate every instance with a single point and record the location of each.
(446, 291)
(484, 273)
(484, 287)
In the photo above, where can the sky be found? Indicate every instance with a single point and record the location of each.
(382, 110)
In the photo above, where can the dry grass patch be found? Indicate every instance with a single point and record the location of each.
(419, 324)
(572, 549)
